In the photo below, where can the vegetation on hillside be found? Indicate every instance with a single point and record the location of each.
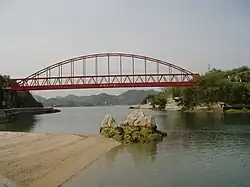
(157, 101)
(230, 87)
(22, 99)
(130, 97)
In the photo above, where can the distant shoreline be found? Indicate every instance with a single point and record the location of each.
(215, 109)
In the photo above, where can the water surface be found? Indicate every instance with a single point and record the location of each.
(200, 150)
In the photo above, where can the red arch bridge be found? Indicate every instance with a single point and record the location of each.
(106, 70)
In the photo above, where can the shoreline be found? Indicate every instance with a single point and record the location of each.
(47, 159)
(197, 110)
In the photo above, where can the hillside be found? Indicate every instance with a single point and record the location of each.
(130, 97)
(231, 87)
(22, 99)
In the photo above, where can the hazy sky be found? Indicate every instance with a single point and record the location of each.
(189, 33)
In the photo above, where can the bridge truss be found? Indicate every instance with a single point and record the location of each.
(106, 70)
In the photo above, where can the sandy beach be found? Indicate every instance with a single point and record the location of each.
(36, 160)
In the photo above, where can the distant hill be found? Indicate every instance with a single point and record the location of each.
(130, 97)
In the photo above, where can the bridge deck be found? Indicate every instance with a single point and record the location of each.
(106, 70)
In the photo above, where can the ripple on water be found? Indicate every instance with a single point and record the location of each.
(192, 159)
(200, 150)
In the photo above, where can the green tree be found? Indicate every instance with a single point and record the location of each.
(231, 87)
(159, 101)
(22, 99)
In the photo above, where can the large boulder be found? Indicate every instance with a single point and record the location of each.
(137, 128)
(140, 119)
(109, 121)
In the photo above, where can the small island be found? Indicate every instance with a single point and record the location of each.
(138, 128)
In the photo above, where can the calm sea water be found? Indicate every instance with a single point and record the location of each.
(200, 150)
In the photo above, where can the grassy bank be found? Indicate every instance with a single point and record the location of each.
(236, 111)
(197, 111)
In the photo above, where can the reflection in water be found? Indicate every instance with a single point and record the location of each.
(201, 149)
(186, 122)
(22, 124)
(195, 159)
(140, 153)
(236, 119)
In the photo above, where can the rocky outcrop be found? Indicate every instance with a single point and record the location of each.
(109, 121)
(138, 128)
(140, 119)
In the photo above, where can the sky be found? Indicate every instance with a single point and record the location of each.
(188, 33)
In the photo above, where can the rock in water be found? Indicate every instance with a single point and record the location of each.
(134, 118)
(137, 128)
(109, 121)
(140, 119)
(150, 121)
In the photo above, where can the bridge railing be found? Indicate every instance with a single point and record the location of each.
(97, 71)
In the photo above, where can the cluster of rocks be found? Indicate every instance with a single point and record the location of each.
(138, 128)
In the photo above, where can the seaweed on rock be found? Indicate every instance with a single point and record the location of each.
(138, 128)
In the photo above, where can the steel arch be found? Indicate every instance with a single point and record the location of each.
(183, 78)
